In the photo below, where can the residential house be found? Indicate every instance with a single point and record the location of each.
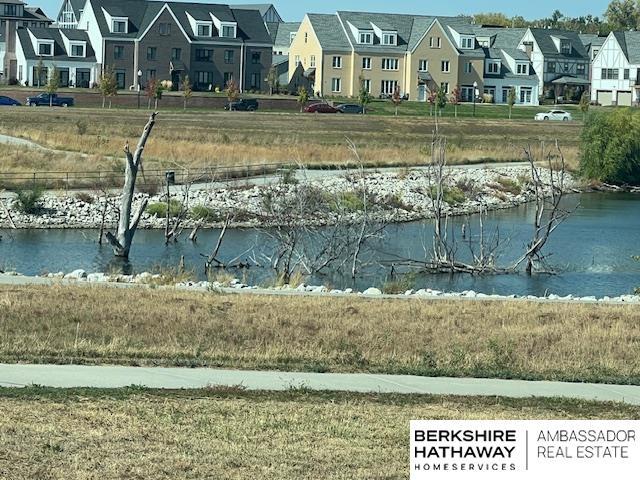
(70, 13)
(211, 43)
(14, 14)
(560, 61)
(268, 11)
(39, 50)
(592, 44)
(616, 70)
(416, 54)
(282, 35)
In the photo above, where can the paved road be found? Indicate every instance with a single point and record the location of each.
(72, 376)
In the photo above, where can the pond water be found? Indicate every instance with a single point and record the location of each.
(592, 252)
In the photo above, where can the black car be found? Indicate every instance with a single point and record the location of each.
(242, 105)
(350, 108)
(8, 102)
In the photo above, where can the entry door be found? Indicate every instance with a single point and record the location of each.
(64, 77)
(422, 93)
(83, 78)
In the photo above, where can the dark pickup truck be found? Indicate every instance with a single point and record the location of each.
(46, 100)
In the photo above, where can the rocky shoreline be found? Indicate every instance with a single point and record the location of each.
(394, 197)
(234, 285)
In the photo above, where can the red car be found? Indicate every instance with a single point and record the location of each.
(320, 108)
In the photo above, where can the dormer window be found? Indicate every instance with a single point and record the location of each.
(493, 67)
(467, 43)
(119, 25)
(366, 38)
(203, 30)
(77, 50)
(522, 69)
(565, 47)
(45, 49)
(389, 39)
(228, 30)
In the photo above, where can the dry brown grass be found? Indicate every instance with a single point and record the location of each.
(166, 327)
(226, 139)
(82, 435)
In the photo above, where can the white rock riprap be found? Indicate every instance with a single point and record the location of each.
(396, 197)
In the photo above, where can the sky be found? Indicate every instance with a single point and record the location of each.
(294, 10)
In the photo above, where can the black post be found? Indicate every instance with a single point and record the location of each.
(474, 102)
(138, 94)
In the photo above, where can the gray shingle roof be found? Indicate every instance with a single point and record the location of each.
(630, 44)
(263, 8)
(329, 31)
(545, 41)
(502, 37)
(281, 32)
(59, 52)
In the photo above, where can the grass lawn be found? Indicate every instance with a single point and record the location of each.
(212, 434)
(450, 338)
(210, 139)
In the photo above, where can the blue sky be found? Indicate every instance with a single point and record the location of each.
(295, 9)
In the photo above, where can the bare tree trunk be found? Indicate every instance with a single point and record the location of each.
(6, 211)
(127, 226)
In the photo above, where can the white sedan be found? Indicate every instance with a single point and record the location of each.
(557, 115)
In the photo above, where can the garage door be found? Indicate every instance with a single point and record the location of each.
(604, 98)
(624, 99)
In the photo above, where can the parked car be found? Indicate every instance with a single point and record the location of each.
(350, 108)
(556, 115)
(45, 100)
(242, 105)
(320, 108)
(8, 102)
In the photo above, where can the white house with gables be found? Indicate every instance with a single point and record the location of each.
(615, 70)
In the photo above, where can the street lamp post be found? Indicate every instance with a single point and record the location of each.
(475, 94)
(139, 77)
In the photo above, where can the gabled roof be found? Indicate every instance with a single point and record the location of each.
(507, 38)
(251, 27)
(630, 45)
(547, 46)
(329, 31)
(281, 32)
(59, 52)
(263, 8)
(592, 40)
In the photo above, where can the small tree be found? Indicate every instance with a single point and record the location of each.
(150, 91)
(511, 100)
(187, 90)
(53, 83)
(432, 101)
(39, 69)
(441, 100)
(364, 97)
(303, 97)
(272, 79)
(585, 103)
(456, 98)
(233, 92)
(108, 85)
(396, 98)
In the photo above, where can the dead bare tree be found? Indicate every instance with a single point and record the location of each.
(549, 196)
(7, 213)
(127, 225)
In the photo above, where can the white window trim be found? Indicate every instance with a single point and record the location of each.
(337, 64)
(366, 63)
(336, 82)
(390, 62)
(224, 25)
(448, 64)
(115, 20)
(78, 44)
(45, 42)
(392, 36)
(366, 33)
(422, 62)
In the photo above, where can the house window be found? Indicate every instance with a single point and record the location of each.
(152, 53)
(204, 78)
(551, 67)
(256, 80)
(467, 43)
(366, 38)
(505, 94)
(390, 64)
(439, 42)
(445, 87)
(313, 61)
(525, 95)
(468, 67)
(306, 37)
(423, 66)
(337, 62)
(204, 55)
(228, 57)
(45, 49)
(176, 54)
(366, 84)
(610, 74)
(581, 69)
(255, 58)
(297, 60)
(164, 29)
(119, 26)
(292, 37)
(228, 31)
(121, 79)
(118, 52)
(522, 69)
(366, 63)
(626, 74)
(445, 66)
(228, 77)
(493, 67)
(466, 94)
(389, 39)
(565, 47)
(77, 50)
(336, 85)
(204, 30)
(431, 43)
(388, 87)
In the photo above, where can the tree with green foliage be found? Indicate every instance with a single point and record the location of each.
(39, 70)
(187, 90)
(456, 98)
(441, 100)
(623, 14)
(511, 101)
(108, 85)
(272, 79)
(53, 83)
(364, 97)
(610, 147)
(303, 97)
(585, 103)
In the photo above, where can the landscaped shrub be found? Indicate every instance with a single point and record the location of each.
(28, 200)
(610, 147)
(160, 209)
(203, 214)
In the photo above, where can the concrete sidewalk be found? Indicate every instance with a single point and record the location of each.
(73, 376)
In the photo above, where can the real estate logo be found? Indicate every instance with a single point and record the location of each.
(523, 449)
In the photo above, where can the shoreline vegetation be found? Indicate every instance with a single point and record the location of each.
(574, 342)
